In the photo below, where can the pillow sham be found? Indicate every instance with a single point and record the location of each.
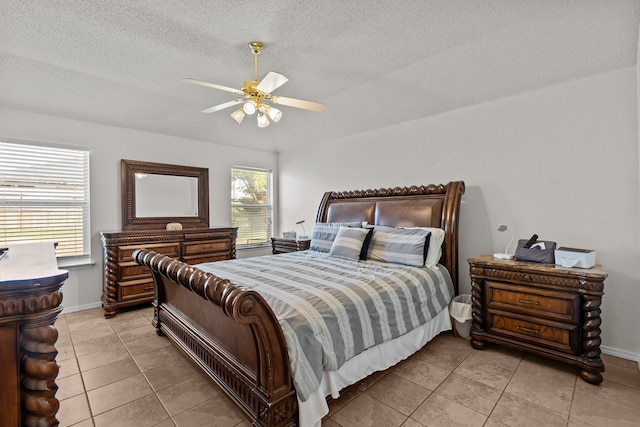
(434, 251)
(324, 233)
(348, 243)
(399, 245)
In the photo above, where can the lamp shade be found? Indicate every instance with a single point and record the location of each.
(249, 107)
(263, 121)
(238, 115)
(274, 114)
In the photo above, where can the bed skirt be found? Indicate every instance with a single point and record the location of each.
(375, 359)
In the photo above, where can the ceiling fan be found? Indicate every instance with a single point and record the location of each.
(257, 95)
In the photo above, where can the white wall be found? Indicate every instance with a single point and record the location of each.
(561, 162)
(108, 146)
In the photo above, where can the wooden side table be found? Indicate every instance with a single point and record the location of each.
(30, 298)
(280, 245)
(539, 308)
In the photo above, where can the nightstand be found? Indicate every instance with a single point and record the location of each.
(539, 308)
(281, 246)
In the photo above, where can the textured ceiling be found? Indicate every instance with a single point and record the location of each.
(373, 64)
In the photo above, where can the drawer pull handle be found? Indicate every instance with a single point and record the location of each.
(522, 328)
(207, 247)
(148, 288)
(527, 301)
(526, 277)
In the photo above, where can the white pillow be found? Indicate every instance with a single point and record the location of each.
(435, 245)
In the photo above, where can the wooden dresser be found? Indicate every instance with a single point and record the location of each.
(539, 308)
(30, 297)
(281, 246)
(126, 283)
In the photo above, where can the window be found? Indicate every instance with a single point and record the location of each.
(44, 196)
(251, 206)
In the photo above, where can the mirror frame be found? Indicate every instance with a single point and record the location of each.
(130, 221)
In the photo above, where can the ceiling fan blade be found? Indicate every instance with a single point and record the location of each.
(298, 103)
(222, 106)
(213, 85)
(271, 82)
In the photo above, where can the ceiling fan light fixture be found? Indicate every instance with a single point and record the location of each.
(238, 115)
(263, 121)
(274, 114)
(257, 95)
(249, 107)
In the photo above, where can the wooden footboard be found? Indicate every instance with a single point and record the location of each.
(230, 332)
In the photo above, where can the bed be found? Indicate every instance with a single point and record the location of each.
(234, 335)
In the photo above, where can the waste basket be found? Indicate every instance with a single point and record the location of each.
(460, 310)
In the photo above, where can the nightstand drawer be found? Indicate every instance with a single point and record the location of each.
(560, 336)
(541, 303)
(205, 247)
(281, 245)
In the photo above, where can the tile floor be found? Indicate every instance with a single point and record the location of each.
(119, 373)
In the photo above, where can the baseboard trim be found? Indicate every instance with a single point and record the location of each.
(67, 310)
(621, 354)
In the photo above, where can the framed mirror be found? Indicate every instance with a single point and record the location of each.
(155, 194)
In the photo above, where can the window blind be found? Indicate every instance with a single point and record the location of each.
(44, 196)
(251, 206)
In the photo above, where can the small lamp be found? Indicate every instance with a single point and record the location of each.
(506, 254)
(304, 233)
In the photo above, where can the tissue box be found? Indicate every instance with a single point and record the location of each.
(288, 234)
(572, 257)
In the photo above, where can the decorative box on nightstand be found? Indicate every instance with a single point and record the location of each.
(281, 246)
(539, 308)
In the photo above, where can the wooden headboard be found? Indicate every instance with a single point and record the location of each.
(434, 205)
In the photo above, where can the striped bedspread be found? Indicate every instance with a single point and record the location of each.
(331, 309)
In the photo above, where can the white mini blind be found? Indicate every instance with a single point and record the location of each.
(251, 206)
(44, 197)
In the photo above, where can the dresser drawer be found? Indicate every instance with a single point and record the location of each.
(560, 306)
(169, 249)
(199, 259)
(135, 289)
(560, 336)
(132, 271)
(205, 247)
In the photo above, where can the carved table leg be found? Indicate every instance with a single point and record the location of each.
(39, 371)
(109, 313)
(477, 313)
(109, 300)
(591, 340)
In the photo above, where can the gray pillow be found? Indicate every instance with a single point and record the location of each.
(348, 242)
(399, 245)
(324, 233)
